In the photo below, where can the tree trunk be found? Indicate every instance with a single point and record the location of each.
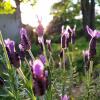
(92, 14)
(88, 12)
(18, 12)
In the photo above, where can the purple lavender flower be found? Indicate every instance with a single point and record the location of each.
(40, 29)
(93, 33)
(92, 44)
(42, 58)
(38, 68)
(64, 39)
(40, 86)
(24, 39)
(40, 77)
(48, 44)
(12, 54)
(65, 97)
(10, 45)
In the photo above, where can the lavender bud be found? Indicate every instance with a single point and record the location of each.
(42, 58)
(24, 39)
(12, 54)
(48, 44)
(40, 30)
(40, 81)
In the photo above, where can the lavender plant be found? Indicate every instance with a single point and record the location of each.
(40, 78)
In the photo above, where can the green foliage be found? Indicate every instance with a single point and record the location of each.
(66, 8)
(6, 8)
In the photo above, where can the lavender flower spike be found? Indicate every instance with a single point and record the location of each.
(38, 68)
(10, 45)
(65, 97)
(40, 29)
(12, 54)
(24, 39)
(92, 44)
(93, 33)
(40, 77)
(64, 39)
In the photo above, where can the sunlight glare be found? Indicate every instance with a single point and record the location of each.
(42, 9)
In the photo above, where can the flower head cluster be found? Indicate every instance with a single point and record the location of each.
(68, 35)
(40, 29)
(92, 44)
(40, 77)
(12, 54)
(25, 42)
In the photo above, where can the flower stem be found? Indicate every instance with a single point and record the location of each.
(64, 59)
(44, 52)
(30, 53)
(21, 74)
(5, 52)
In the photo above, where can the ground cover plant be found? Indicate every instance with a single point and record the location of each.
(68, 70)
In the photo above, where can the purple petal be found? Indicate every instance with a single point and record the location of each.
(10, 45)
(24, 39)
(46, 73)
(23, 31)
(42, 58)
(98, 34)
(40, 30)
(38, 68)
(62, 29)
(90, 31)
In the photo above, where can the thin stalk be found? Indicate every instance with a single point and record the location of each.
(31, 94)
(64, 59)
(44, 52)
(27, 62)
(52, 58)
(30, 53)
(71, 70)
(20, 72)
